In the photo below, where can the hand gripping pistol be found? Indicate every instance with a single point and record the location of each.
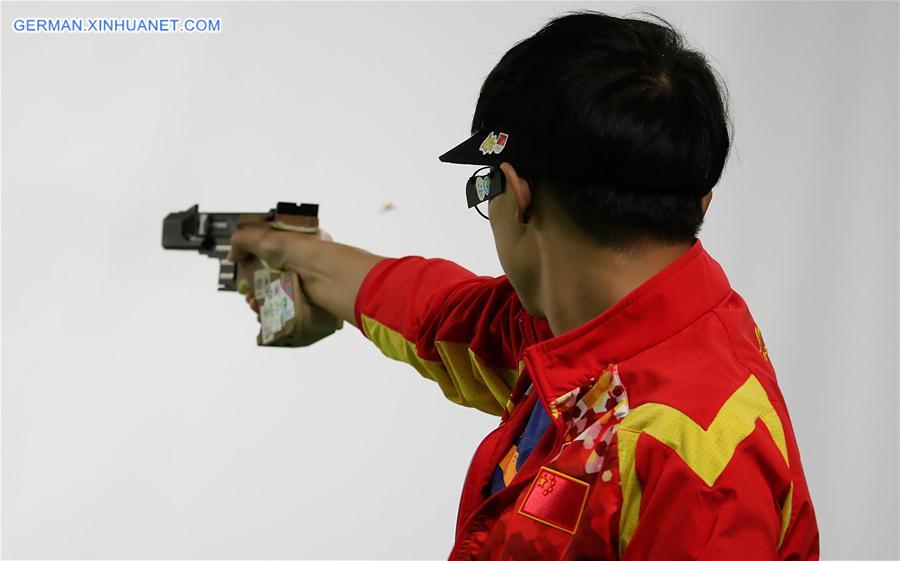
(278, 292)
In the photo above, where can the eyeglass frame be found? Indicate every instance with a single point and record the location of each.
(477, 192)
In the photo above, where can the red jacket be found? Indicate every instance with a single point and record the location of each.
(670, 437)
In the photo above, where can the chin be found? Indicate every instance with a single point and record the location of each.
(522, 291)
(533, 311)
(530, 306)
(523, 282)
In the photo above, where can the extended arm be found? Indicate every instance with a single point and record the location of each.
(458, 329)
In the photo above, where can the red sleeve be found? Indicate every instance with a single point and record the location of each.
(463, 331)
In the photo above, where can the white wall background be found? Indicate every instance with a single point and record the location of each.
(139, 419)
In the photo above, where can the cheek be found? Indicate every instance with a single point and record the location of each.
(498, 236)
(504, 240)
(501, 241)
(516, 259)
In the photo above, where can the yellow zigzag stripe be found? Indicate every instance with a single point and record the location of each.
(463, 377)
(706, 452)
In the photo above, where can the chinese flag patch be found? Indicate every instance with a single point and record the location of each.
(556, 499)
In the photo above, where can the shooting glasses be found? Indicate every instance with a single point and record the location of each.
(486, 183)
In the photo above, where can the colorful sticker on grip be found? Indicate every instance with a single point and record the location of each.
(261, 279)
(281, 301)
(270, 321)
(277, 309)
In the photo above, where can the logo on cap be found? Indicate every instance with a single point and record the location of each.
(494, 143)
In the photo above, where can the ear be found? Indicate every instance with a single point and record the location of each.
(704, 202)
(520, 189)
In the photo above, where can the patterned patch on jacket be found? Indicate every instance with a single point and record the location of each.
(592, 413)
(549, 519)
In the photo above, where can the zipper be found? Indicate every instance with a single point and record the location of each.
(462, 547)
(458, 551)
(463, 543)
(503, 422)
(469, 469)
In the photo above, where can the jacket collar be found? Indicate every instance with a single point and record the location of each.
(663, 305)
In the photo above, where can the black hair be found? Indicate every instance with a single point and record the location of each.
(629, 127)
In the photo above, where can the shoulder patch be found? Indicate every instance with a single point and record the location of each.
(706, 452)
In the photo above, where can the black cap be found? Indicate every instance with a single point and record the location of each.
(490, 148)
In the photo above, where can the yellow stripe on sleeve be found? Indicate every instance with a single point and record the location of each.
(463, 377)
(706, 452)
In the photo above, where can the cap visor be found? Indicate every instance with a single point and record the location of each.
(467, 152)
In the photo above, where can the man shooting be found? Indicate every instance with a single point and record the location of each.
(640, 415)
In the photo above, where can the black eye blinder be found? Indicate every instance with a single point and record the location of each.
(496, 183)
(471, 195)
